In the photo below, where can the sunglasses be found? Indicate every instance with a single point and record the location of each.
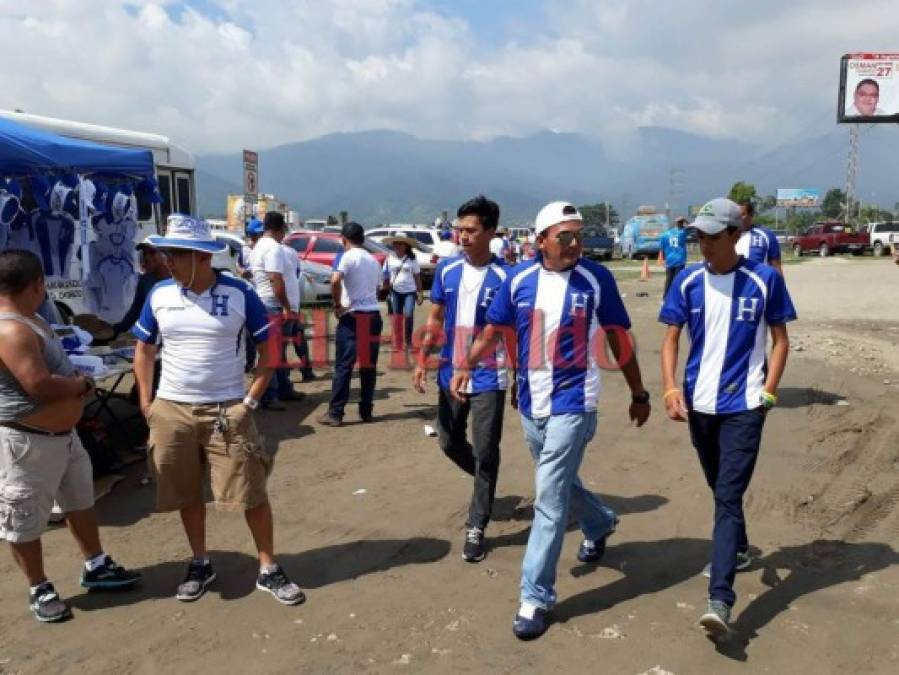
(565, 238)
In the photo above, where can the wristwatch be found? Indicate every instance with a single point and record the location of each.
(642, 397)
(251, 403)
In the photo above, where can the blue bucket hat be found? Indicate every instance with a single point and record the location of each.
(187, 233)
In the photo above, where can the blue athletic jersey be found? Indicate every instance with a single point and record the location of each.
(466, 292)
(759, 245)
(727, 316)
(558, 317)
(674, 246)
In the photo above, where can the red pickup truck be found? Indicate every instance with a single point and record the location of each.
(829, 238)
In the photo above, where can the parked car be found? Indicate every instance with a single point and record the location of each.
(428, 237)
(316, 283)
(598, 245)
(880, 233)
(323, 247)
(831, 237)
(641, 235)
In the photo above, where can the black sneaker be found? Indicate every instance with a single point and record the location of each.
(46, 604)
(199, 576)
(474, 549)
(109, 575)
(276, 582)
(591, 551)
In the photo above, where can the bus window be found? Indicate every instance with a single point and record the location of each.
(165, 190)
(182, 185)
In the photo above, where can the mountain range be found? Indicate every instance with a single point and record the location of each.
(389, 176)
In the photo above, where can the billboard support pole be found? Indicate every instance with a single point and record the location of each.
(851, 170)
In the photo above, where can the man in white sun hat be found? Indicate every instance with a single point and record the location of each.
(729, 304)
(202, 413)
(564, 308)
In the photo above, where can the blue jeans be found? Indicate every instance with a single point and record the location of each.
(557, 444)
(728, 446)
(354, 330)
(402, 309)
(279, 386)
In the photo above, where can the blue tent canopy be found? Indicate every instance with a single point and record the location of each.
(25, 150)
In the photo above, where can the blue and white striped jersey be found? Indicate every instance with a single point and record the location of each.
(202, 338)
(727, 316)
(466, 292)
(558, 317)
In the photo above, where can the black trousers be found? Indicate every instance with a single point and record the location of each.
(670, 273)
(480, 459)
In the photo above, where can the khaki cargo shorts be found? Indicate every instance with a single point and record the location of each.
(185, 438)
(35, 469)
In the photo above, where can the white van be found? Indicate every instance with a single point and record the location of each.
(175, 173)
(880, 234)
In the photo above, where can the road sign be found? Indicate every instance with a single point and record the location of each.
(250, 173)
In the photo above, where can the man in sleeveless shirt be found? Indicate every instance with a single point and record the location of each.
(41, 457)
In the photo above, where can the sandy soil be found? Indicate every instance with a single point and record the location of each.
(369, 521)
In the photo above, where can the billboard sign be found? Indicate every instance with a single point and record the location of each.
(250, 172)
(869, 88)
(792, 197)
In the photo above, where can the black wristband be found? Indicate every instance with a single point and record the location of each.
(642, 397)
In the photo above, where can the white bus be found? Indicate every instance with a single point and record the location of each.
(175, 172)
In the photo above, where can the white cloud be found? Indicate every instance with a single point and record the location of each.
(261, 73)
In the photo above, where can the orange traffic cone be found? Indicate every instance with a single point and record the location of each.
(661, 261)
(644, 273)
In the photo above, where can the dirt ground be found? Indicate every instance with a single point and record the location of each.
(369, 522)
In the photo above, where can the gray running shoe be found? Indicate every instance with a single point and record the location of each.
(285, 591)
(46, 604)
(716, 619)
(199, 576)
(744, 562)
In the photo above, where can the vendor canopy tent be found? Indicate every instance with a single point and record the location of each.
(24, 150)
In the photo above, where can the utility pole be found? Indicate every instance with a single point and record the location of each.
(675, 183)
(851, 170)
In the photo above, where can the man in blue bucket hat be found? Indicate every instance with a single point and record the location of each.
(202, 413)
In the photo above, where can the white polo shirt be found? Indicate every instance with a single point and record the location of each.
(202, 336)
(292, 277)
(361, 278)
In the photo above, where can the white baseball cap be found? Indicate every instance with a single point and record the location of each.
(717, 215)
(555, 213)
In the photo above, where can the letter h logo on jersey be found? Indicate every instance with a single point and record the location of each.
(489, 294)
(219, 305)
(747, 308)
(579, 304)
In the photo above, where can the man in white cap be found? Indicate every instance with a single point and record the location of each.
(729, 304)
(202, 414)
(564, 309)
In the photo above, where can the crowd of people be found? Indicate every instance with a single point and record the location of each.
(503, 326)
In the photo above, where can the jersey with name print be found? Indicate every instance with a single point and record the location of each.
(559, 318)
(759, 244)
(466, 291)
(202, 338)
(727, 316)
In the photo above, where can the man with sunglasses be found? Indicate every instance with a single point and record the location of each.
(729, 304)
(563, 308)
(202, 414)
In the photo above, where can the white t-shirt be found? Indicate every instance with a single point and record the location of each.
(401, 273)
(498, 247)
(292, 277)
(446, 248)
(361, 276)
(268, 256)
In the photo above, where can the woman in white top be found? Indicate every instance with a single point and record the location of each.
(402, 280)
